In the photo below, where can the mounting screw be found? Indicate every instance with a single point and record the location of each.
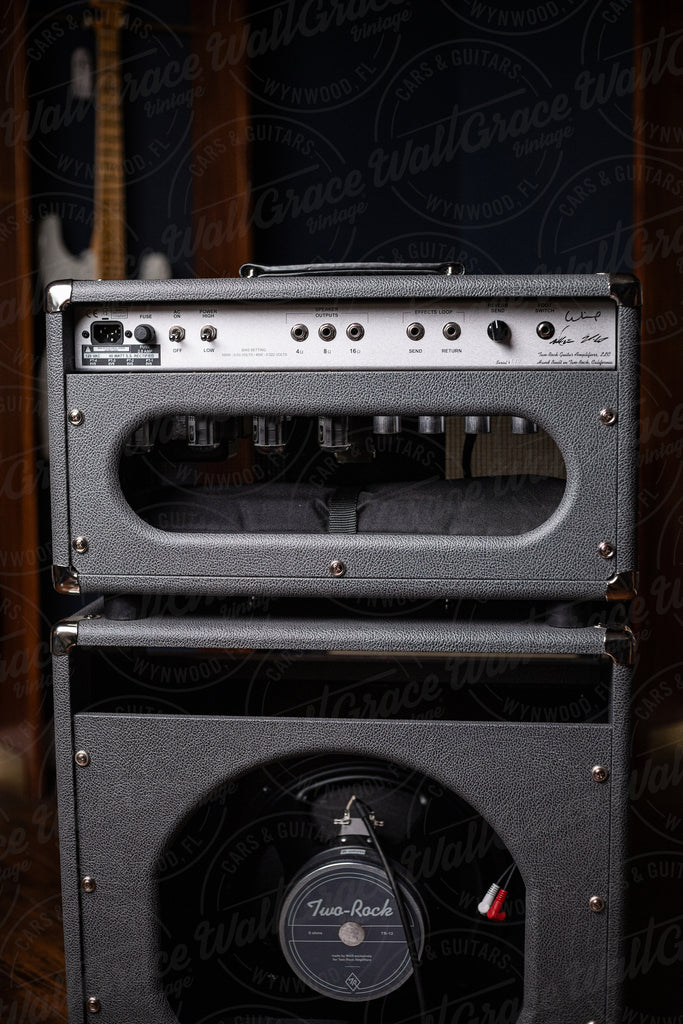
(607, 416)
(75, 417)
(606, 550)
(80, 545)
(597, 904)
(88, 884)
(82, 758)
(93, 1005)
(600, 773)
(337, 568)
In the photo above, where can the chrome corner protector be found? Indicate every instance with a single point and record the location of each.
(620, 644)
(63, 637)
(65, 579)
(622, 587)
(58, 296)
(626, 290)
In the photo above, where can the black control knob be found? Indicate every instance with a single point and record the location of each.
(145, 334)
(499, 331)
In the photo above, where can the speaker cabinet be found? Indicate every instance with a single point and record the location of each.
(215, 867)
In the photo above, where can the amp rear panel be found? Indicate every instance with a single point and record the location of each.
(345, 738)
(332, 435)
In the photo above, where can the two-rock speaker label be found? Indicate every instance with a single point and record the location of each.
(341, 931)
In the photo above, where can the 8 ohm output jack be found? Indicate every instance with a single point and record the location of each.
(327, 332)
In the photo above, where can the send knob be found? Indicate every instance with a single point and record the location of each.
(499, 331)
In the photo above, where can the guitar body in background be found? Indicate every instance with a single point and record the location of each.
(106, 256)
(57, 263)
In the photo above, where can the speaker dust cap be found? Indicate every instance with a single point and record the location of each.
(341, 931)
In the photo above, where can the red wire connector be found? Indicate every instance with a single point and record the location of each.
(496, 913)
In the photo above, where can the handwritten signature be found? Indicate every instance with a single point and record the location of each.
(596, 339)
(581, 316)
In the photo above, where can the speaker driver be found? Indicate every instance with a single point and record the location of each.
(340, 927)
(275, 903)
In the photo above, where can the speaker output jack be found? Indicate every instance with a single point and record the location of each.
(355, 332)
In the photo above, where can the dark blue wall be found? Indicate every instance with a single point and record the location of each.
(443, 129)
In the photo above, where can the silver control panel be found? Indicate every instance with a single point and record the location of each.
(480, 334)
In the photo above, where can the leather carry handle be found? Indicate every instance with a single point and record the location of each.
(349, 269)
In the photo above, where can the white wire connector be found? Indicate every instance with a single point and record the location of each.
(488, 899)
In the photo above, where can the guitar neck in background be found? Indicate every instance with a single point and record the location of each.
(109, 233)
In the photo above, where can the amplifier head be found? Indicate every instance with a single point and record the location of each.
(346, 434)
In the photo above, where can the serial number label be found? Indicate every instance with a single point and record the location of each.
(121, 355)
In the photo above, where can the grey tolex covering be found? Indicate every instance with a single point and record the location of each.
(557, 558)
(531, 782)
